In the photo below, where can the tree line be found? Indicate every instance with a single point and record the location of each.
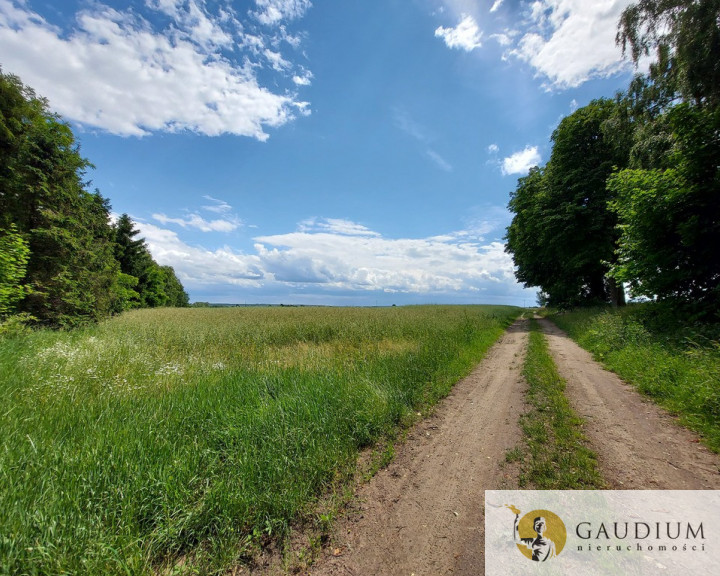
(62, 261)
(631, 193)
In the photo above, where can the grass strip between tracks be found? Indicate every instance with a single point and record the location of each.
(555, 455)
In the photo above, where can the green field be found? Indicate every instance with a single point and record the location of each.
(675, 362)
(178, 441)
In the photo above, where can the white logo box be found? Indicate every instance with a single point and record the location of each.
(605, 532)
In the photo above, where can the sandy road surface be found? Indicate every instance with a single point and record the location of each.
(423, 514)
(639, 445)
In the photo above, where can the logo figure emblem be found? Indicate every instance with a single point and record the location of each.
(539, 534)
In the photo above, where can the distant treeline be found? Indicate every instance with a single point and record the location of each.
(631, 193)
(62, 261)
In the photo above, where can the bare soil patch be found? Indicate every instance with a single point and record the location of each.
(423, 514)
(639, 445)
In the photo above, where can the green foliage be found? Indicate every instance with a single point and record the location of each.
(684, 37)
(668, 205)
(676, 363)
(14, 255)
(563, 236)
(559, 458)
(130, 252)
(16, 325)
(670, 219)
(125, 295)
(176, 295)
(184, 438)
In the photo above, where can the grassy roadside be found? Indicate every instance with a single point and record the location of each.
(676, 364)
(555, 455)
(178, 441)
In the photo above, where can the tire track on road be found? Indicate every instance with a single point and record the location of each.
(423, 514)
(639, 445)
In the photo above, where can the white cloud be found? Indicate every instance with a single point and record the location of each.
(341, 255)
(466, 35)
(217, 206)
(273, 12)
(521, 162)
(571, 41)
(303, 79)
(502, 38)
(493, 149)
(197, 266)
(114, 71)
(198, 222)
(335, 226)
(496, 5)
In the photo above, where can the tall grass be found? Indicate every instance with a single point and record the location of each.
(178, 440)
(676, 364)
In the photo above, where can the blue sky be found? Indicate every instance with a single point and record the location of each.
(355, 152)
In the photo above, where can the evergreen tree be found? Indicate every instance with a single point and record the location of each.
(60, 259)
(156, 285)
(71, 268)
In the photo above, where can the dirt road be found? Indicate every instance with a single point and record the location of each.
(423, 514)
(639, 445)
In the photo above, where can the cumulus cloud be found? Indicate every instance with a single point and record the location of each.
(521, 162)
(566, 42)
(116, 71)
(197, 266)
(341, 255)
(571, 41)
(465, 36)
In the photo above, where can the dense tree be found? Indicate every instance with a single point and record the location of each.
(684, 37)
(632, 190)
(174, 289)
(563, 235)
(670, 218)
(71, 268)
(668, 202)
(156, 285)
(130, 252)
(57, 233)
